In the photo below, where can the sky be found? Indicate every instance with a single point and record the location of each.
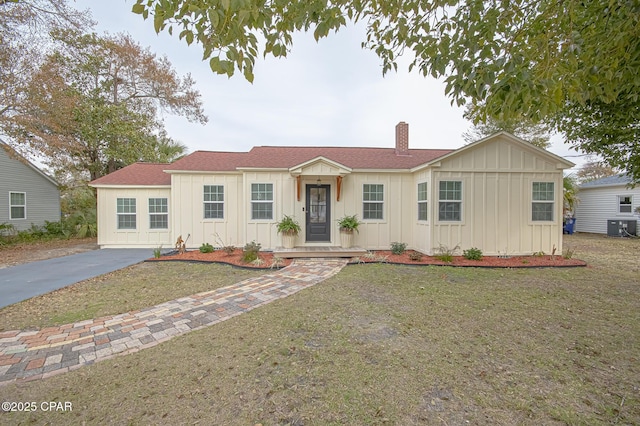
(326, 93)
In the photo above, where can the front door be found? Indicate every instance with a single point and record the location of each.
(318, 215)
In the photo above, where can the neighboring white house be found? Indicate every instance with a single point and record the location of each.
(607, 202)
(500, 194)
(27, 195)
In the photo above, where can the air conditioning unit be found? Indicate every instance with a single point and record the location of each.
(621, 228)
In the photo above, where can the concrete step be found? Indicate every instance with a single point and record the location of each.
(318, 251)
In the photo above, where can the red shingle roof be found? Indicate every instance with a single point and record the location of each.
(137, 174)
(270, 157)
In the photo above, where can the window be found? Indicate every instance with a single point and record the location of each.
(158, 213)
(542, 201)
(213, 202)
(17, 205)
(624, 203)
(126, 213)
(422, 201)
(450, 201)
(261, 201)
(372, 201)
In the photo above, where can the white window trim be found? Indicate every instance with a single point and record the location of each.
(384, 197)
(18, 205)
(425, 201)
(630, 212)
(552, 202)
(458, 222)
(272, 201)
(166, 214)
(204, 203)
(118, 214)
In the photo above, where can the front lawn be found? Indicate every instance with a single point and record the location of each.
(385, 344)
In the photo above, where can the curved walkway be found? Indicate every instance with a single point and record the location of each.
(31, 355)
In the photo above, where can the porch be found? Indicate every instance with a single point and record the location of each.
(318, 251)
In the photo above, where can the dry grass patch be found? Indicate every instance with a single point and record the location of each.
(385, 344)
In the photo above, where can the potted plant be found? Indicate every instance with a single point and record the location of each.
(289, 228)
(347, 225)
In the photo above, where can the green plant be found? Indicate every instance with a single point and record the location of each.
(206, 248)
(349, 223)
(445, 254)
(288, 225)
(250, 251)
(398, 248)
(472, 254)
(277, 262)
(538, 254)
(416, 256)
(568, 253)
(157, 252)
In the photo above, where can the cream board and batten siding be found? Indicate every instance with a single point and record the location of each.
(109, 236)
(188, 208)
(599, 204)
(497, 178)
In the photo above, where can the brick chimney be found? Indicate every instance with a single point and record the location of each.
(402, 138)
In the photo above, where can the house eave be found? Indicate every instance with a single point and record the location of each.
(128, 186)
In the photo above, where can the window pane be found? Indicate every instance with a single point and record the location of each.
(625, 204)
(372, 211)
(127, 221)
(543, 191)
(17, 198)
(214, 211)
(371, 192)
(158, 221)
(451, 190)
(261, 210)
(542, 211)
(422, 191)
(213, 193)
(126, 205)
(158, 205)
(261, 192)
(450, 211)
(422, 211)
(18, 213)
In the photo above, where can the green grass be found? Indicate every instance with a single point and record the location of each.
(386, 344)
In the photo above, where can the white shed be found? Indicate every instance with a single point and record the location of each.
(605, 201)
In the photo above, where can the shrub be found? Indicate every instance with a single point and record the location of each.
(416, 256)
(472, 254)
(250, 252)
(568, 253)
(206, 248)
(398, 248)
(227, 248)
(445, 254)
(157, 252)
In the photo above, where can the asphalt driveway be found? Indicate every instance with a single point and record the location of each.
(21, 282)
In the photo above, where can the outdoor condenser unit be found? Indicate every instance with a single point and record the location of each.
(621, 228)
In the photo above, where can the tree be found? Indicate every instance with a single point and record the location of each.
(536, 134)
(594, 169)
(549, 61)
(93, 105)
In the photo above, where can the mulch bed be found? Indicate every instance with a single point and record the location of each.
(382, 256)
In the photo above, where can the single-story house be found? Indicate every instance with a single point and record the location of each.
(499, 194)
(28, 196)
(607, 206)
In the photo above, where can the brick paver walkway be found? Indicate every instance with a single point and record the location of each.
(31, 355)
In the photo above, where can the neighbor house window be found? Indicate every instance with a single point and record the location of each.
(372, 201)
(261, 201)
(450, 201)
(126, 213)
(422, 201)
(17, 205)
(213, 202)
(158, 213)
(542, 201)
(624, 203)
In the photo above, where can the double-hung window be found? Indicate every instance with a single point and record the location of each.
(542, 204)
(372, 201)
(261, 201)
(422, 201)
(624, 204)
(158, 213)
(17, 205)
(126, 209)
(213, 202)
(450, 201)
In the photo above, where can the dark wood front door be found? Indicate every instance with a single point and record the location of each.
(318, 211)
